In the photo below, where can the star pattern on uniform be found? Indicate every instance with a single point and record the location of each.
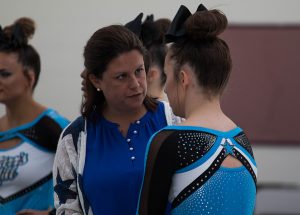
(228, 146)
(62, 189)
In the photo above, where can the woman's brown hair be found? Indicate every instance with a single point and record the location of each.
(105, 45)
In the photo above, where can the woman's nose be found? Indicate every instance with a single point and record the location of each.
(134, 82)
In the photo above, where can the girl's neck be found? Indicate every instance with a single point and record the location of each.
(19, 113)
(207, 113)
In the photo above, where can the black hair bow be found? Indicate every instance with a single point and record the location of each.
(149, 18)
(149, 31)
(2, 37)
(144, 30)
(135, 25)
(17, 39)
(177, 31)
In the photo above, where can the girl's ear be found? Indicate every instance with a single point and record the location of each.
(31, 77)
(185, 76)
(152, 74)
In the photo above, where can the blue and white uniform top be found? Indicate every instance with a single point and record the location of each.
(184, 173)
(26, 168)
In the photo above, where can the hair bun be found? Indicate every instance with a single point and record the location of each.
(27, 25)
(21, 30)
(162, 25)
(205, 24)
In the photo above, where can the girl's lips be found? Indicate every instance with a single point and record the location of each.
(82, 86)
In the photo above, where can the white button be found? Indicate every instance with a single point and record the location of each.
(135, 132)
(132, 158)
(128, 140)
(131, 148)
(138, 122)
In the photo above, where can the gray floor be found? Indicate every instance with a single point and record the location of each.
(278, 199)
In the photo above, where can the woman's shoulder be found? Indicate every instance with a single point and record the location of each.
(75, 127)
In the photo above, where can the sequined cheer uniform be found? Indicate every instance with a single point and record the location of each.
(25, 169)
(184, 170)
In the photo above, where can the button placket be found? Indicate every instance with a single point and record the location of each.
(129, 140)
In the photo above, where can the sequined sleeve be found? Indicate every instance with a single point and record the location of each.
(160, 166)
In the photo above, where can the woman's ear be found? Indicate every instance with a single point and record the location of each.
(94, 80)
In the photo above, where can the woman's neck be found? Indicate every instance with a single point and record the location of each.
(124, 118)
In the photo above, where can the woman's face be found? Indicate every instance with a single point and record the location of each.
(124, 82)
(13, 83)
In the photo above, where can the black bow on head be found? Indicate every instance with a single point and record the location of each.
(135, 25)
(2, 37)
(149, 31)
(149, 18)
(18, 36)
(145, 31)
(17, 39)
(176, 31)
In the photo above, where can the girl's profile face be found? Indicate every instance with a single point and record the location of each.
(124, 82)
(83, 75)
(171, 87)
(13, 82)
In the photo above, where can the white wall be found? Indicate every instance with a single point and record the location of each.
(64, 26)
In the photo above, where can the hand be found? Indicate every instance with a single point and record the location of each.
(33, 212)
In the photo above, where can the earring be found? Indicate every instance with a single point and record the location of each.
(98, 89)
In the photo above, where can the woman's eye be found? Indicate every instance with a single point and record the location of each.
(139, 71)
(121, 77)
